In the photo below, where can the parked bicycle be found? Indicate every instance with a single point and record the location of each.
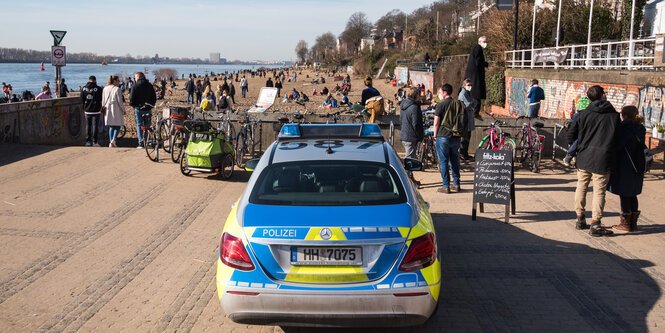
(154, 137)
(496, 139)
(426, 151)
(246, 140)
(179, 133)
(530, 144)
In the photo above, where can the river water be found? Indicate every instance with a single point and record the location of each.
(29, 77)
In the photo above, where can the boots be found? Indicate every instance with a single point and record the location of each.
(596, 230)
(581, 223)
(633, 220)
(624, 224)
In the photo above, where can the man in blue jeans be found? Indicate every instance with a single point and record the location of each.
(536, 95)
(447, 145)
(142, 94)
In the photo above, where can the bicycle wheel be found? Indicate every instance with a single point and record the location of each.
(183, 165)
(165, 137)
(151, 145)
(433, 155)
(227, 166)
(486, 143)
(535, 157)
(179, 143)
(524, 150)
(508, 144)
(241, 150)
(421, 153)
(122, 132)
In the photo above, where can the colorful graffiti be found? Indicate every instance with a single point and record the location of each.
(651, 105)
(560, 97)
(45, 123)
(426, 78)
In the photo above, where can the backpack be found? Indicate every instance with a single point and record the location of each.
(223, 102)
(455, 119)
(205, 104)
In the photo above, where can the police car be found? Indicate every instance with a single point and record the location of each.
(329, 232)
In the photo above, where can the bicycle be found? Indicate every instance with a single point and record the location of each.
(496, 139)
(179, 134)
(530, 143)
(426, 151)
(153, 138)
(245, 141)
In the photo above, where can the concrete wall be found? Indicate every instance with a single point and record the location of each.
(645, 89)
(53, 122)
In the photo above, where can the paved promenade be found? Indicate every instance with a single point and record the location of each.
(103, 240)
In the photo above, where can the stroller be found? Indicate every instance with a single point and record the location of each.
(207, 150)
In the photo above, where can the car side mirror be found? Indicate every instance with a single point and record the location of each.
(251, 164)
(412, 164)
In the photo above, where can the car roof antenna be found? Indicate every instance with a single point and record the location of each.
(329, 150)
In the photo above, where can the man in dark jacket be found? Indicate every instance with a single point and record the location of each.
(475, 70)
(269, 83)
(189, 87)
(142, 93)
(91, 96)
(596, 131)
(412, 131)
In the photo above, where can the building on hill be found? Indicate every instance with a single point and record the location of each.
(393, 40)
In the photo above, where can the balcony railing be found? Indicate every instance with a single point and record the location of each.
(632, 55)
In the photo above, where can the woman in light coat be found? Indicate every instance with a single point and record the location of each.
(114, 110)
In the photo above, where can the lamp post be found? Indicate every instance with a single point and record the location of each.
(588, 38)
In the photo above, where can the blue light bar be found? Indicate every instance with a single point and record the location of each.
(370, 131)
(289, 131)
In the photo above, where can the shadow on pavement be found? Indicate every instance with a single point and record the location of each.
(10, 153)
(499, 278)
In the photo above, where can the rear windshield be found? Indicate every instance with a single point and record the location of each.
(327, 184)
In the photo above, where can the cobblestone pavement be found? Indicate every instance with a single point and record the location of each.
(103, 240)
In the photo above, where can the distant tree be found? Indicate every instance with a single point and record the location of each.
(324, 44)
(393, 20)
(357, 28)
(301, 50)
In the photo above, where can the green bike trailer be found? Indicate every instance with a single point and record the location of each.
(208, 151)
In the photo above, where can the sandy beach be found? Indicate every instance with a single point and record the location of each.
(303, 84)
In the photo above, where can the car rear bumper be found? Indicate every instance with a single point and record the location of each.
(330, 309)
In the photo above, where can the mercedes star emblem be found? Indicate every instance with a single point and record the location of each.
(325, 233)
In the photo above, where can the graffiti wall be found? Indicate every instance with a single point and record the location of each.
(57, 121)
(402, 74)
(426, 78)
(560, 97)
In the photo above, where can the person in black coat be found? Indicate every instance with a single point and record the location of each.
(411, 120)
(596, 131)
(141, 95)
(475, 71)
(628, 176)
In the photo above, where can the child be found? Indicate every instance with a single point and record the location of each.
(582, 103)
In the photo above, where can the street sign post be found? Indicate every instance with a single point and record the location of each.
(58, 56)
(58, 35)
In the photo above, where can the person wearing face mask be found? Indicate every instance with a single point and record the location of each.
(475, 71)
(470, 103)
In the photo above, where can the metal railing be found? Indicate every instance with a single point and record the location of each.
(635, 54)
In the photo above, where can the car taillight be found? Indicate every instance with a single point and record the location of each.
(233, 254)
(420, 254)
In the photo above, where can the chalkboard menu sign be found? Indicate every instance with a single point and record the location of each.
(493, 180)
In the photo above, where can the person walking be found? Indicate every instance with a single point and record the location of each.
(243, 86)
(475, 71)
(447, 134)
(628, 177)
(232, 92)
(63, 91)
(114, 114)
(198, 92)
(190, 87)
(412, 132)
(269, 83)
(469, 102)
(596, 131)
(91, 97)
(535, 96)
(141, 95)
(278, 85)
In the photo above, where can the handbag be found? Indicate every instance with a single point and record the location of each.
(644, 166)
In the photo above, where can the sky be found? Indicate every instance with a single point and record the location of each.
(240, 29)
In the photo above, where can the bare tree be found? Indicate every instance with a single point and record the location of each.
(393, 20)
(301, 50)
(357, 28)
(324, 43)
